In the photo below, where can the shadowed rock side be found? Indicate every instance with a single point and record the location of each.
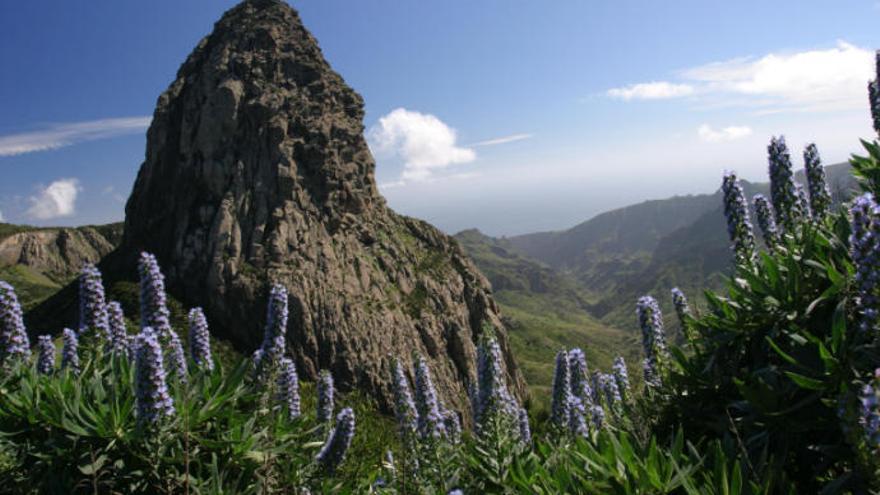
(257, 171)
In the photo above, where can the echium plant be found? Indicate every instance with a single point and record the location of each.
(176, 358)
(783, 192)
(200, 340)
(118, 343)
(739, 227)
(559, 409)
(92, 303)
(865, 252)
(766, 222)
(430, 420)
(338, 441)
(69, 351)
(525, 432)
(325, 397)
(683, 311)
(273, 345)
(612, 393)
(802, 210)
(653, 340)
(14, 343)
(576, 422)
(288, 388)
(404, 407)
(151, 389)
(869, 414)
(874, 94)
(820, 196)
(492, 399)
(580, 376)
(621, 378)
(45, 355)
(154, 307)
(452, 426)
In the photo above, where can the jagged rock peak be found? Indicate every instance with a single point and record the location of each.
(257, 171)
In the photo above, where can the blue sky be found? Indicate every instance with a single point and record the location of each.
(510, 116)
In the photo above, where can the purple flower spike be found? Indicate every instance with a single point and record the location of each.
(118, 343)
(325, 397)
(200, 340)
(46, 355)
(273, 345)
(621, 377)
(288, 388)
(559, 409)
(783, 192)
(14, 343)
(69, 351)
(580, 377)
(820, 197)
(338, 441)
(176, 358)
(739, 227)
(92, 303)
(874, 95)
(154, 308)
(653, 339)
(151, 390)
(766, 222)
(430, 419)
(865, 252)
(404, 407)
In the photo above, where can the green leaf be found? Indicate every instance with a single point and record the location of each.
(805, 382)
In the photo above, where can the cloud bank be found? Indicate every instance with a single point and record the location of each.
(61, 135)
(811, 80)
(56, 200)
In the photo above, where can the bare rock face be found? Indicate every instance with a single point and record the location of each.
(58, 253)
(257, 171)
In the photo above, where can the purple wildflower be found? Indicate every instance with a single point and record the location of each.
(611, 391)
(288, 388)
(802, 206)
(576, 422)
(559, 410)
(92, 303)
(452, 426)
(783, 193)
(276, 326)
(14, 343)
(430, 420)
(597, 417)
(865, 252)
(176, 358)
(200, 340)
(154, 308)
(492, 397)
(118, 343)
(151, 390)
(820, 197)
(596, 387)
(46, 354)
(69, 351)
(739, 227)
(580, 376)
(653, 338)
(325, 397)
(869, 416)
(404, 407)
(338, 440)
(764, 212)
(525, 432)
(621, 377)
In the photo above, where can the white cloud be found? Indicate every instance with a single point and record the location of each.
(811, 80)
(61, 135)
(657, 90)
(503, 140)
(423, 141)
(732, 133)
(58, 199)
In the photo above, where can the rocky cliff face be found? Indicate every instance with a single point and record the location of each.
(58, 253)
(257, 171)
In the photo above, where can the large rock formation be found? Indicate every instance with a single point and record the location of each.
(257, 171)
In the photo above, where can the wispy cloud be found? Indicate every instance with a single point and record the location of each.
(656, 90)
(61, 135)
(732, 133)
(503, 140)
(58, 199)
(810, 80)
(113, 193)
(424, 143)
